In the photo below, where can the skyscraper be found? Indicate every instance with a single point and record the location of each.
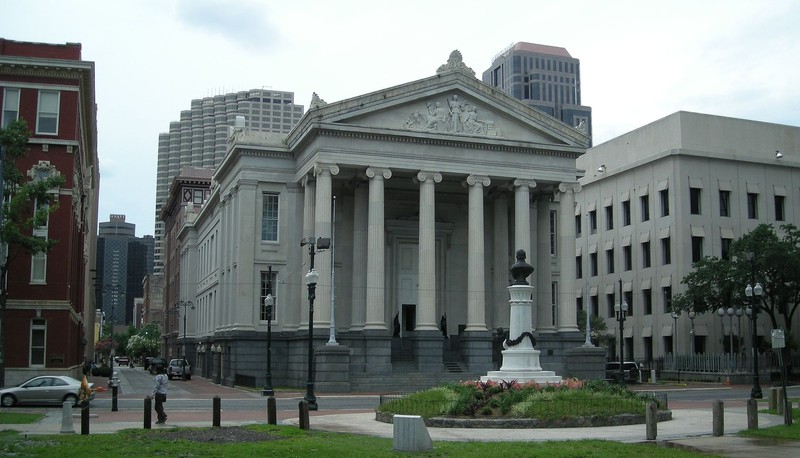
(545, 77)
(200, 138)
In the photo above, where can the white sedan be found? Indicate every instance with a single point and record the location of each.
(44, 389)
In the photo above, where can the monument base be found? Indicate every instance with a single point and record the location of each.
(521, 365)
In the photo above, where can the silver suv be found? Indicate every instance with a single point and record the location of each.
(176, 368)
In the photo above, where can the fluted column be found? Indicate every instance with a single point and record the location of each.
(567, 311)
(360, 235)
(309, 198)
(322, 228)
(522, 215)
(426, 294)
(476, 291)
(543, 308)
(500, 262)
(376, 237)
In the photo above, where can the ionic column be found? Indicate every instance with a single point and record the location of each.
(567, 312)
(360, 235)
(426, 291)
(322, 228)
(476, 295)
(376, 241)
(543, 309)
(309, 198)
(522, 215)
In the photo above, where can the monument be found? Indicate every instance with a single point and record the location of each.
(520, 357)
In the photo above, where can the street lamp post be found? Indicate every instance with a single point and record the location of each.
(692, 316)
(269, 303)
(184, 304)
(675, 315)
(621, 310)
(739, 312)
(311, 278)
(722, 311)
(753, 292)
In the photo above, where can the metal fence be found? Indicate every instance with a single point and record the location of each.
(721, 362)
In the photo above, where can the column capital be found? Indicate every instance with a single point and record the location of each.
(322, 167)
(568, 186)
(424, 175)
(372, 172)
(520, 182)
(472, 180)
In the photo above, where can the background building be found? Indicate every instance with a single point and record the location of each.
(200, 138)
(660, 197)
(123, 261)
(50, 310)
(545, 77)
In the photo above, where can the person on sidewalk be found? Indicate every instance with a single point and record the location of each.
(160, 394)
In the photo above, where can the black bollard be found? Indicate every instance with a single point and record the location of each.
(304, 424)
(217, 407)
(148, 414)
(114, 398)
(272, 414)
(85, 418)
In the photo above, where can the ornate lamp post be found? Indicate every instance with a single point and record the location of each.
(311, 278)
(739, 312)
(269, 303)
(621, 311)
(190, 305)
(692, 316)
(675, 315)
(722, 311)
(752, 293)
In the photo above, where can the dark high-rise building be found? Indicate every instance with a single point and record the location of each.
(545, 77)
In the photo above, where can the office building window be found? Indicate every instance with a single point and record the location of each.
(553, 232)
(595, 305)
(47, 116)
(578, 266)
(724, 203)
(626, 212)
(647, 301)
(752, 205)
(725, 244)
(10, 107)
(697, 248)
(38, 341)
(593, 262)
(694, 200)
(610, 305)
(666, 250)
(779, 208)
(578, 226)
(644, 205)
(554, 302)
(610, 261)
(666, 293)
(663, 196)
(629, 299)
(609, 217)
(269, 218)
(269, 285)
(627, 258)
(593, 221)
(646, 255)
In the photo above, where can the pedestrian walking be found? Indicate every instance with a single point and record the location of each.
(160, 394)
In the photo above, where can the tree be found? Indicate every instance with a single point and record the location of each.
(599, 331)
(28, 200)
(775, 263)
(145, 342)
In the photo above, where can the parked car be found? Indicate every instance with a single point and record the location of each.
(630, 370)
(155, 363)
(122, 360)
(44, 389)
(176, 368)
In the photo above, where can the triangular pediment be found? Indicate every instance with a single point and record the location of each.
(452, 104)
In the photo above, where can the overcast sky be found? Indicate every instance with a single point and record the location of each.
(640, 60)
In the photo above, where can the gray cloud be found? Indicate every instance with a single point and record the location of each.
(244, 23)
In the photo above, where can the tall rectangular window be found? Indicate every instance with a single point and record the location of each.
(694, 200)
(647, 301)
(626, 212)
(595, 305)
(10, 107)
(697, 248)
(666, 250)
(627, 258)
(644, 205)
(725, 244)
(609, 217)
(47, 115)
(269, 285)
(39, 268)
(724, 203)
(553, 232)
(646, 255)
(578, 266)
(610, 261)
(752, 205)
(779, 208)
(593, 221)
(593, 262)
(610, 305)
(628, 295)
(269, 218)
(666, 293)
(578, 226)
(554, 302)
(663, 196)
(38, 341)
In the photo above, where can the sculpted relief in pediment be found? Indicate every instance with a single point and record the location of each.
(452, 115)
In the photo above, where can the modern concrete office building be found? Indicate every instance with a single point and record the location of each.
(426, 189)
(545, 77)
(658, 198)
(200, 138)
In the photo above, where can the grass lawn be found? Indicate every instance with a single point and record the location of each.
(290, 441)
(777, 432)
(16, 418)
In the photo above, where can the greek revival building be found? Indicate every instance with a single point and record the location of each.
(426, 190)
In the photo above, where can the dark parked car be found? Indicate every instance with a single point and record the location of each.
(45, 389)
(155, 363)
(630, 370)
